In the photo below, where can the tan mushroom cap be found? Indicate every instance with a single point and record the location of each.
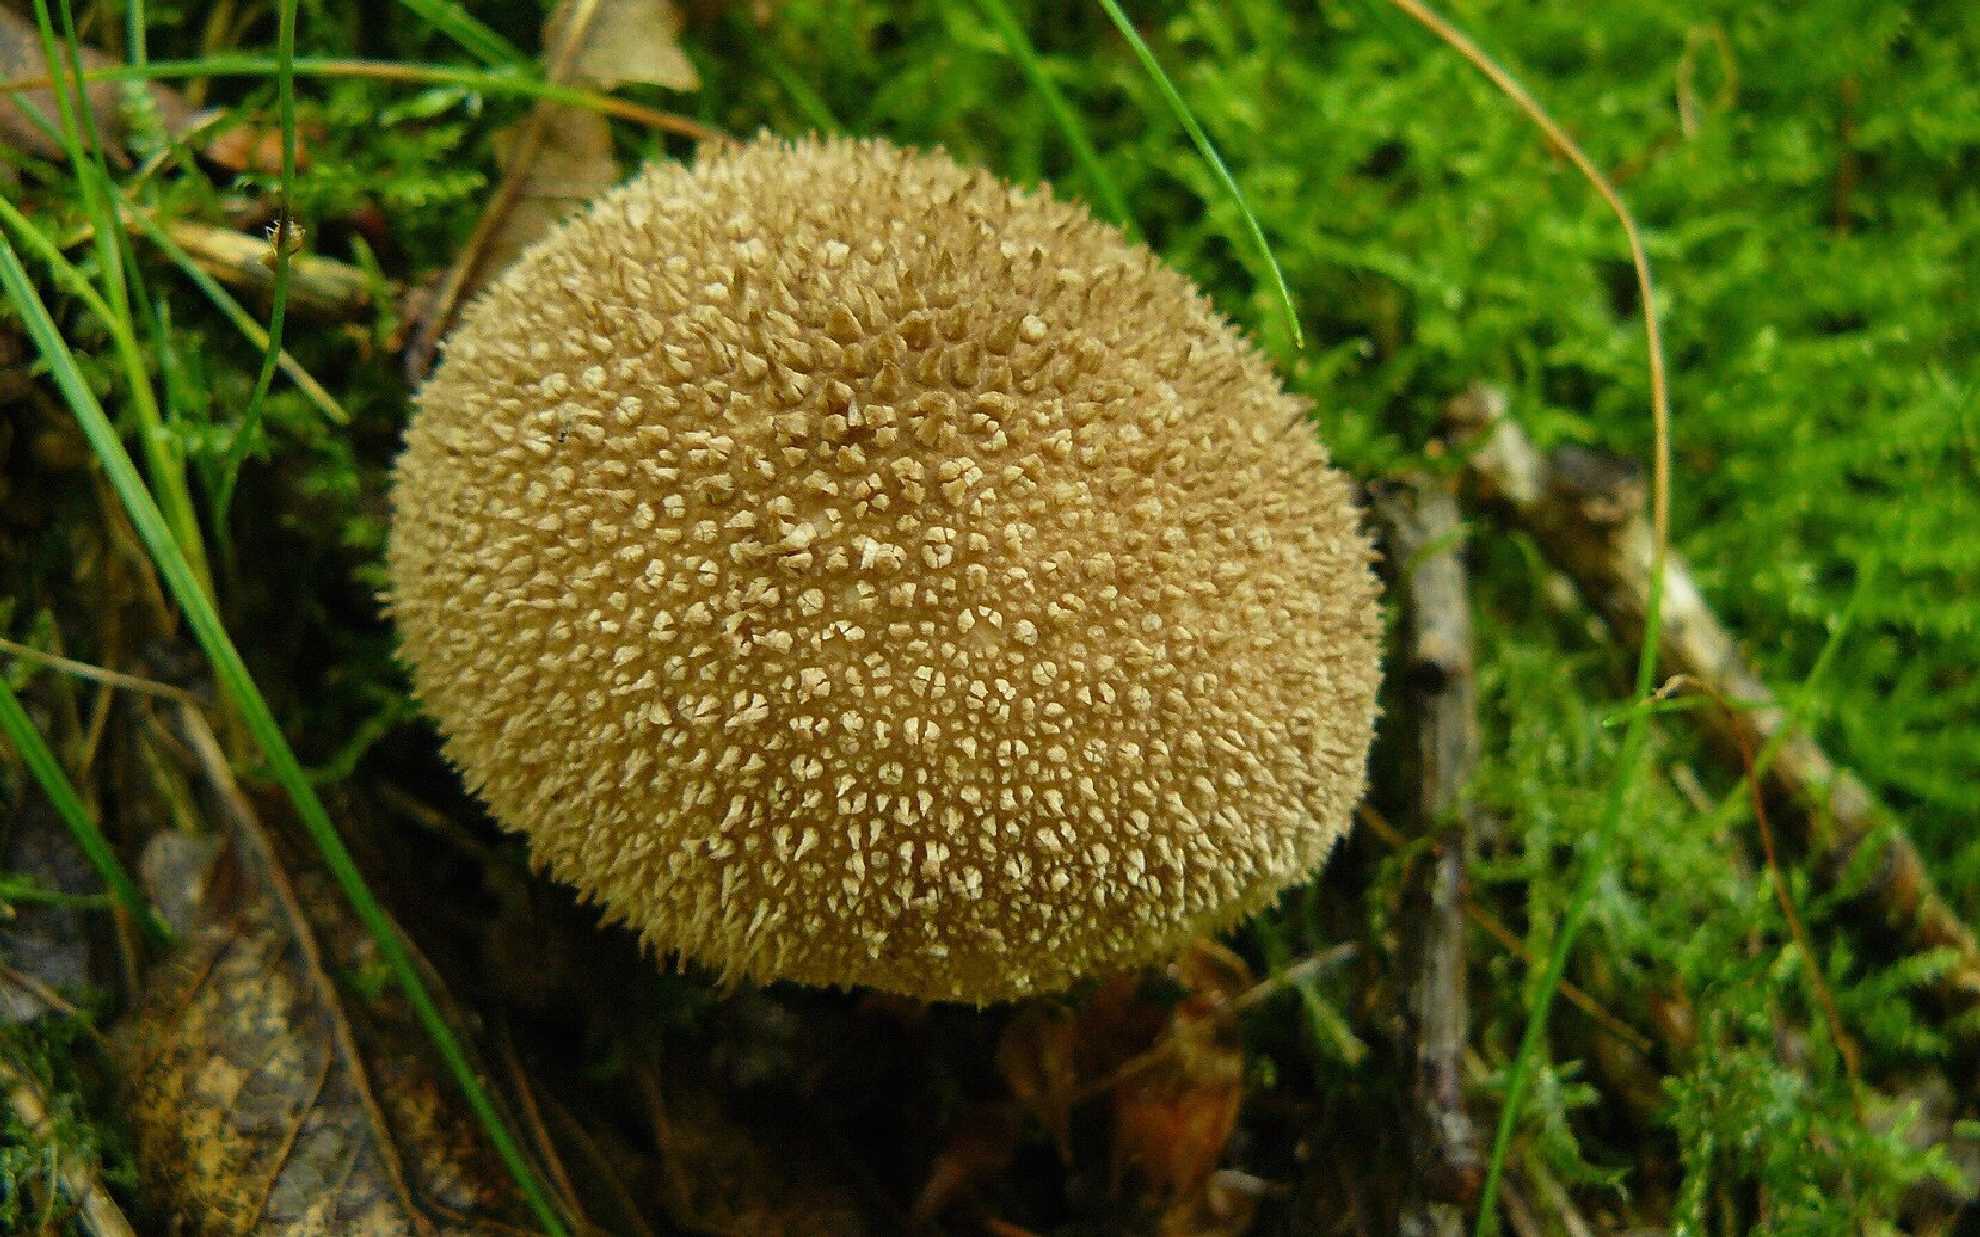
(849, 568)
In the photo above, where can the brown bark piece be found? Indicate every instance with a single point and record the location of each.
(1424, 531)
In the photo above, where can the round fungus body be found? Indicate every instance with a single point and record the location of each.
(850, 568)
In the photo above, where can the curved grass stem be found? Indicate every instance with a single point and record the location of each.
(286, 241)
(1204, 146)
(1630, 759)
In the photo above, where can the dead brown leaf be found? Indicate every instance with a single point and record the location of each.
(560, 157)
(1173, 1076)
(249, 148)
(264, 1094)
(624, 41)
(1173, 1118)
(573, 164)
(21, 59)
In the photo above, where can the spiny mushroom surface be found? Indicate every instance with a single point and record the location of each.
(849, 568)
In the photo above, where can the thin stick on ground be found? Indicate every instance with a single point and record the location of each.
(319, 287)
(96, 674)
(1587, 517)
(1424, 533)
(546, 1146)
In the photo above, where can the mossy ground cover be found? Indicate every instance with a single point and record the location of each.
(1808, 180)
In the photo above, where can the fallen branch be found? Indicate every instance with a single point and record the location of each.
(1586, 513)
(318, 287)
(1446, 1168)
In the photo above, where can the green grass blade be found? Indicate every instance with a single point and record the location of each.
(237, 313)
(162, 454)
(134, 32)
(285, 241)
(454, 21)
(1594, 865)
(816, 112)
(82, 144)
(518, 82)
(232, 673)
(79, 140)
(1215, 160)
(26, 889)
(1097, 176)
(122, 278)
(48, 771)
(157, 321)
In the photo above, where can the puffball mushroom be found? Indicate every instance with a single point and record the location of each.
(847, 567)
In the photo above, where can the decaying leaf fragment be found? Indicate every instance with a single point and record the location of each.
(572, 164)
(560, 156)
(1173, 1116)
(623, 41)
(267, 1093)
(1171, 1078)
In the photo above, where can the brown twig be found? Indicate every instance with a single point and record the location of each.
(1585, 512)
(602, 1168)
(546, 1146)
(1424, 534)
(97, 674)
(32, 991)
(318, 287)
